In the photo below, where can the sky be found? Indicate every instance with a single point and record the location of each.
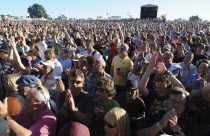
(92, 8)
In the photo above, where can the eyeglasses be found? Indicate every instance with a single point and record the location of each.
(178, 103)
(122, 49)
(75, 81)
(100, 89)
(110, 125)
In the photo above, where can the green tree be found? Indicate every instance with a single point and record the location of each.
(195, 18)
(37, 11)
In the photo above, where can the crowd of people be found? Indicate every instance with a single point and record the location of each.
(112, 78)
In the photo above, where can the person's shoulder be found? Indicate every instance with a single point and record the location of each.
(114, 102)
(116, 57)
(86, 95)
(107, 75)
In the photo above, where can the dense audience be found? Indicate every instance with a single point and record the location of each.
(112, 78)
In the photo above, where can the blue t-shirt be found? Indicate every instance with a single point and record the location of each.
(65, 63)
(35, 62)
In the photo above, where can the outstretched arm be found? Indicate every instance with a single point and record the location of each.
(13, 44)
(144, 80)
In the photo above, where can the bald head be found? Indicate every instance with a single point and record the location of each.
(100, 62)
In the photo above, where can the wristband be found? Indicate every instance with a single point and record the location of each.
(179, 132)
(158, 126)
(6, 118)
(168, 73)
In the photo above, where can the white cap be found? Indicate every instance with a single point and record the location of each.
(167, 47)
(49, 63)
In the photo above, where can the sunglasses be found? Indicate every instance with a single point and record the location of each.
(75, 81)
(109, 125)
(100, 89)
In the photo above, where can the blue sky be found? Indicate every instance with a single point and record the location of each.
(93, 8)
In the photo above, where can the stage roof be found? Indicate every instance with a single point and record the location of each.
(149, 5)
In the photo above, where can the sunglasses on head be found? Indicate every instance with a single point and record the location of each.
(48, 58)
(100, 89)
(110, 125)
(75, 81)
(40, 89)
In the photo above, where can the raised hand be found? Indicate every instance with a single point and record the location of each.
(161, 68)
(153, 60)
(12, 41)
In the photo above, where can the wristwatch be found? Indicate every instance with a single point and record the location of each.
(179, 132)
(6, 118)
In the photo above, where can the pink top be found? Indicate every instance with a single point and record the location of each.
(43, 125)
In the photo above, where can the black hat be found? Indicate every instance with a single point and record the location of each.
(5, 49)
(131, 84)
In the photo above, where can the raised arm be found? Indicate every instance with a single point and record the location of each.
(56, 41)
(120, 32)
(144, 80)
(13, 44)
(110, 35)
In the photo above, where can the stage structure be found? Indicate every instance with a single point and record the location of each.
(148, 11)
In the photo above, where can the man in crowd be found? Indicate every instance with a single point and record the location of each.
(77, 105)
(91, 51)
(121, 66)
(172, 120)
(36, 118)
(5, 67)
(98, 71)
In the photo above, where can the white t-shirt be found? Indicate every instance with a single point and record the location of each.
(132, 76)
(58, 68)
(42, 48)
(97, 55)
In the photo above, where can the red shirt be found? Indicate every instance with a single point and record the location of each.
(112, 51)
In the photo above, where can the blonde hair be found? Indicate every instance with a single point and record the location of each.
(118, 117)
(50, 51)
(10, 81)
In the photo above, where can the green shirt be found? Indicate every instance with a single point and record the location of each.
(106, 108)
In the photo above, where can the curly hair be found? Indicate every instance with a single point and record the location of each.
(106, 84)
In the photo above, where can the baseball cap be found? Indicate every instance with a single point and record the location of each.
(5, 49)
(48, 63)
(27, 80)
(167, 47)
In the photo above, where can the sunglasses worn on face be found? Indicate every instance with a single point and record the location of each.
(109, 125)
(100, 89)
(75, 81)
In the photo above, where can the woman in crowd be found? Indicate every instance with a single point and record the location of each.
(117, 123)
